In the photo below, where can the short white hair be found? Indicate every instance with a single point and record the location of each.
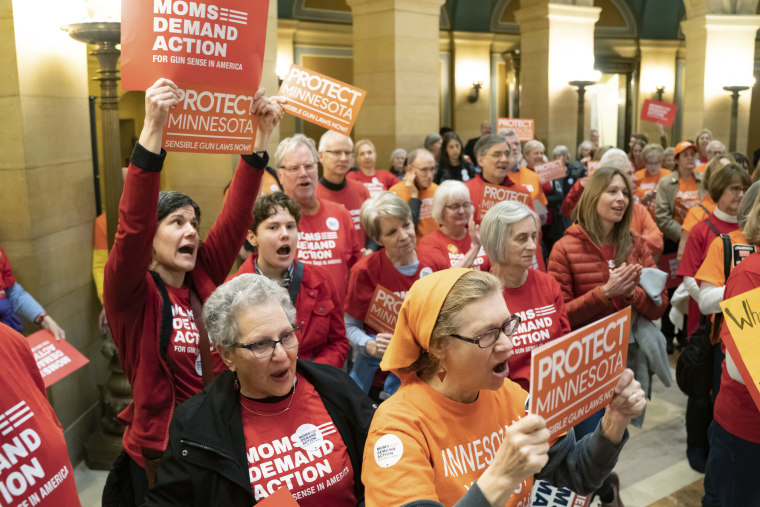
(332, 135)
(289, 144)
(496, 228)
(383, 205)
(449, 189)
(532, 145)
(617, 158)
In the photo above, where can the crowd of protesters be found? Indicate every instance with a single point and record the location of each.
(349, 410)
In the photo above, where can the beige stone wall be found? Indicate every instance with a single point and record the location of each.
(46, 199)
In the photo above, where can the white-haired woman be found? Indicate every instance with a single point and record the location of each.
(387, 219)
(509, 232)
(457, 238)
(269, 421)
(398, 163)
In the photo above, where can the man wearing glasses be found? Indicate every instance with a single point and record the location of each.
(326, 234)
(336, 153)
(418, 189)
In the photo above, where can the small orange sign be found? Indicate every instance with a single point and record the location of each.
(592, 165)
(523, 127)
(383, 310)
(575, 376)
(55, 358)
(552, 170)
(497, 193)
(321, 100)
(209, 120)
(280, 498)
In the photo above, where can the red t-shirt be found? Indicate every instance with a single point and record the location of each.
(377, 269)
(326, 239)
(300, 449)
(352, 196)
(734, 408)
(6, 274)
(454, 249)
(35, 467)
(609, 255)
(183, 354)
(541, 308)
(381, 180)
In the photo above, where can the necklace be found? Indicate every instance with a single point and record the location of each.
(292, 397)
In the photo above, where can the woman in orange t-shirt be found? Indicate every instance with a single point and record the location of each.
(646, 179)
(457, 428)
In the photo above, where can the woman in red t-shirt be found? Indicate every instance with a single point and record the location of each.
(510, 232)
(458, 237)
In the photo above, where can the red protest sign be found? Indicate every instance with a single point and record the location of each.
(552, 170)
(196, 42)
(280, 498)
(659, 112)
(208, 120)
(496, 193)
(523, 127)
(55, 359)
(669, 264)
(383, 310)
(575, 376)
(592, 165)
(321, 100)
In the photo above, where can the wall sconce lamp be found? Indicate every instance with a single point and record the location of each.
(475, 92)
(659, 91)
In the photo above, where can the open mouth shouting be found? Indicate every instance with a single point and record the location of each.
(501, 370)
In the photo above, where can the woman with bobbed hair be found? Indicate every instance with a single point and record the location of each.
(375, 180)
(585, 152)
(387, 220)
(157, 276)
(509, 232)
(703, 139)
(451, 347)
(458, 237)
(227, 444)
(647, 178)
(319, 305)
(452, 165)
(398, 163)
(433, 144)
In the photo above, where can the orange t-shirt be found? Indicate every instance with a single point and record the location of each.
(423, 445)
(529, 179)
(646, 182)
(427, 223)
(711, 269)
(687, 197)
(700, 168)
(269, 184)
(696, 214)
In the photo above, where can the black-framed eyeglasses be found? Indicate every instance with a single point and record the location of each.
(265, 348)
(485, 340)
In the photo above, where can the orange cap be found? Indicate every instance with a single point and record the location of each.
(683, 145)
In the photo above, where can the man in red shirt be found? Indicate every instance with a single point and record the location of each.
(335, 155)
(326, 234)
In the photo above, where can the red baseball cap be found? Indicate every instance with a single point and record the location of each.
(683, 145)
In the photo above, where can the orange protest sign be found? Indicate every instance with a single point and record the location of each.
(496, 193)
(218, 43)
(383, 310)
(591, 166)
(55, 359)
(523, 127)
(575, 376)
(321, 100)
(552, 170)
(280, 498)
(208, 120)
(742, 316)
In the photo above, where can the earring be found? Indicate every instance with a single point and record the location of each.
(236, 381)
(442, 373)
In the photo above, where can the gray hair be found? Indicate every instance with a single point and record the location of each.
(561, 149)
(746, 205)
(329, 136)
(715, 144)
(430, 140)
(230, 299)
(383, 205)
(412, 157)
(290, 144)
(398, 151)
(532, 145)
(507, 133)
(616, 158)
(496, 228)
(447, 190)
(485, 142)
(652, 150)
(587, 144)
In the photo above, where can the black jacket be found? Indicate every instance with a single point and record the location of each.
(205, 462)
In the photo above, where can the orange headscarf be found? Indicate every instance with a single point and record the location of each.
(417, 318)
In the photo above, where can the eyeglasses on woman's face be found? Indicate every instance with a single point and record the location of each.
(485, 340)
(262, 349)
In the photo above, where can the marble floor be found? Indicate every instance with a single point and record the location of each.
(653, 468)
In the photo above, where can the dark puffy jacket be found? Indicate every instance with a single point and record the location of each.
(579, 266)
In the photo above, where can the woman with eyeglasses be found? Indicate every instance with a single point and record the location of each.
(457, 430)
(457, 238)
(271, 420)
(509, 232)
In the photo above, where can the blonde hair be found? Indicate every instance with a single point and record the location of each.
(383, 205)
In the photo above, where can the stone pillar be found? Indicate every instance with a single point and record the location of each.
(396, 61)
(557, 42)
(47, 206)
(720, 51)
(658, 69)
(472, 63)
